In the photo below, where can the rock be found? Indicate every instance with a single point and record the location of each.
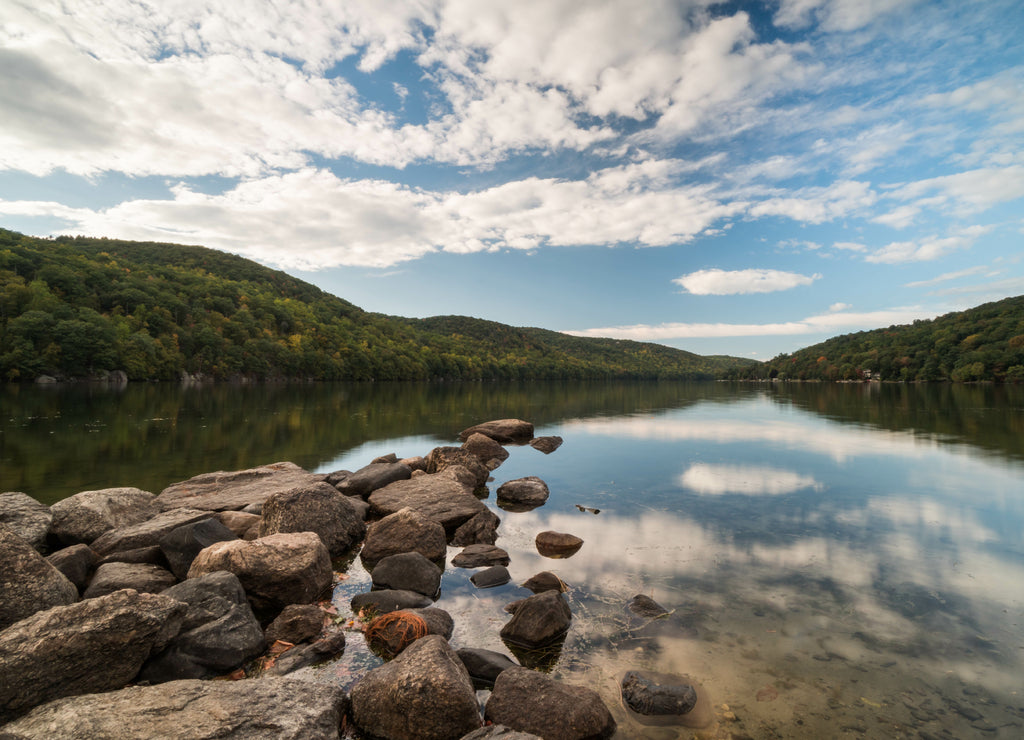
(439, 622)
(82, 518)
(558, 544)
(476, 556)
(181, 545)
(408, 571)
(482, 529)
(76, 563)
(484, 666)
(240, 523)
(646, 697)
(329, 646)
(645, 606)
(218, 632)
(496, 575)
(296, 623)
(415, 463)
(151, 554)
(268, 709)
(29, 582)
(423, 693)
(441, 458)
(404, 531)
(236, 489)
(529, 701)
(505, 431)
(440, 498)
(147, 533)
(545, 581)
(362, 508)
(142, 577)
(538, 620)
(499, 732)
(366, 480)
(26, 517)
(522, 494)
(317, 508)
(391, 457)
(93, 645)
(485, 449)
(388, 600)
(275, 571)
(337, 477)
(547, 445)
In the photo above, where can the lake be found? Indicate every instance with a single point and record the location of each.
(837, 559)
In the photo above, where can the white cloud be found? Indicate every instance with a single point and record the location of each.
(928, 248)
(946, 276)
(966, 193)
(735, 282)
(839, 307)
(836, 15)
(849, 246)
(749, 480)
(818, 204)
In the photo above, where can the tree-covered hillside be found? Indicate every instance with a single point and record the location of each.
(79, 307)
(982, 343)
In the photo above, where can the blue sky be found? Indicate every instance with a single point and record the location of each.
(742, 178)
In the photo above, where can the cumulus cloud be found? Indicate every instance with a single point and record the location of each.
(928, 248)
(735, 282)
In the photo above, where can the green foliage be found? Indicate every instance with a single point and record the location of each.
(79, 307)
(985, 343)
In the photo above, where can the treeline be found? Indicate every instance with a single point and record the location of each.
(982, 343)
(75, 307)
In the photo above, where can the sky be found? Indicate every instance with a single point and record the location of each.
(741, 178)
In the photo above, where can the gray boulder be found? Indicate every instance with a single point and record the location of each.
(653, 699)
(142, 577)
(423, 693)
(147, 533)
(218, 632)
(26, 517)
(315, 508)
(482, 529)
(366, 480)
(529, 701)
(484, 666)
(268, 709)
(181, 545)
(28, 582)
(296, 623)
(505, 431)
(94, 645)
(441, 458)
(538, 620)
(522, 494)
(408, 571)
(77, 563)
(82, 518)
(441, 498)
(236, 489)
(275, 571)
(404, 531)
(479, 556)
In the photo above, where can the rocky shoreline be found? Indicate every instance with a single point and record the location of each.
(184, 615)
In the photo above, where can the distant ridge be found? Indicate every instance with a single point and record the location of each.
(75, 307)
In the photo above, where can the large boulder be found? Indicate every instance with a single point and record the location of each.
(538, 620)
(315, 508)
(505, 431)
(267, 709)
(77, 563)
(275, 571)
(28, 582)
(236, 489)
(442, 458)
(489, 452)
(423, 693)
(408, 571)
(142, 577)
(181, 545)
(26, 517)
(522, 494)
(482, 529)
(484, 666)
(441, 498)
(147, 533)
(366, 480)
(82, 518)
(529, 701)
(404, 531)
(218, 631)
(94, 645)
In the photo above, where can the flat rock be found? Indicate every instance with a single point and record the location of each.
(221, 491)
(318, 508)
(496, 575)
(26, 517)
(529, 701)
(147, 533)
(91, 646)
(478, 556)
(264, 709)
(142, 577)
(440, 498)
(404, 531)
(505, 431)
(82, 518)
(28, 582)
(366, 480)
(424, 693)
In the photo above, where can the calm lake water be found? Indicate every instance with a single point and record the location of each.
(839, 560)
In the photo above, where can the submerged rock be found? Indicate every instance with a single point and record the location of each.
(645, 606)
(647, 697)
(529, 701)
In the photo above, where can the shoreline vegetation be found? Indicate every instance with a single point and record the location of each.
(76, 308)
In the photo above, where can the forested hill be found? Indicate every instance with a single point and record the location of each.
(982, 343)
(79, 307)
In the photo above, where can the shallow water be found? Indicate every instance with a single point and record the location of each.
(837, 560)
